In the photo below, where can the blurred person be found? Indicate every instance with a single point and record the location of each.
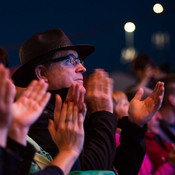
(121, 106)
(146, 72)
(121, 103)
(167, 111)
(160, 152)
(50, 55)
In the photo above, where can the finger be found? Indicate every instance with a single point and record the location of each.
(99, 81)
(98, 70)
(71, 93)
(80, 120)
(29, 89)
(102, 72)
(69, 116)
(158, 94)
(10, 92)
(4, 72)
(51, 128)
(77, 93)
(45, 99)
(40, 90)
(161, 89)
(83, 110)
(108, 86)
(138, 94)
(57, 110)
(158, 89)
(90, 85)
(4, 75)
(82, 95)
(75, 116)
(63, 114)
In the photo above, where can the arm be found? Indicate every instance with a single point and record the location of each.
(131, 151)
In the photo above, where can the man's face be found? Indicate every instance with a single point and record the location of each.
(62, 73)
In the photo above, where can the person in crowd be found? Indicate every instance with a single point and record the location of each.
(160, 152)
(146, 72)
(163, 162)
(167, 111)
(121, 104)
(50, 55)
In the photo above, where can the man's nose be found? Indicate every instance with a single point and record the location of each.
(80, 68)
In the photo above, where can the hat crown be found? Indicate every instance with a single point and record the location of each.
(42, 43)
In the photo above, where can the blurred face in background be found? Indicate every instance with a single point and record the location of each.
(153, 124)
(121, 104)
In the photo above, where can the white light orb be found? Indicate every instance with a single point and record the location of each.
(129, 27)
(158, 8)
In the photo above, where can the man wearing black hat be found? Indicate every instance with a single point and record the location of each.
(49, 55)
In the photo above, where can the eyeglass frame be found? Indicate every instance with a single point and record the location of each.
(67, 57)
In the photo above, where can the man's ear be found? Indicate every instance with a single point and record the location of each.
(41, 72)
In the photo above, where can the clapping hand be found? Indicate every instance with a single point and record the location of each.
(141, 111)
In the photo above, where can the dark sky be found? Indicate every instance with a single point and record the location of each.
(97, 22)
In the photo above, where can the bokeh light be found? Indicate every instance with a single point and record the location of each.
(158, 8)
(129, 27)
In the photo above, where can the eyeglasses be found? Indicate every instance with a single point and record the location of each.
(69, 59)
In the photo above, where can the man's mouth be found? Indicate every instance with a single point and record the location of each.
(80, 81)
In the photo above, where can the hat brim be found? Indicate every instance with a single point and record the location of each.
(25, 74)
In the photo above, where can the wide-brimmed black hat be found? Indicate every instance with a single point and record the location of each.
(38, 48)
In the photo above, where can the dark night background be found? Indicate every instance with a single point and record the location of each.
(96, 22)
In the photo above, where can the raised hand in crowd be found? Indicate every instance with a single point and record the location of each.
(141, 111)
(27, 109)
(7, 94)
(99, 92)
(67, 132)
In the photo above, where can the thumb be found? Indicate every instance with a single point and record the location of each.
(139, 94)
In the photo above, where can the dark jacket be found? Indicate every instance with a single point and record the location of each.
(16, 158)
(131, 151)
